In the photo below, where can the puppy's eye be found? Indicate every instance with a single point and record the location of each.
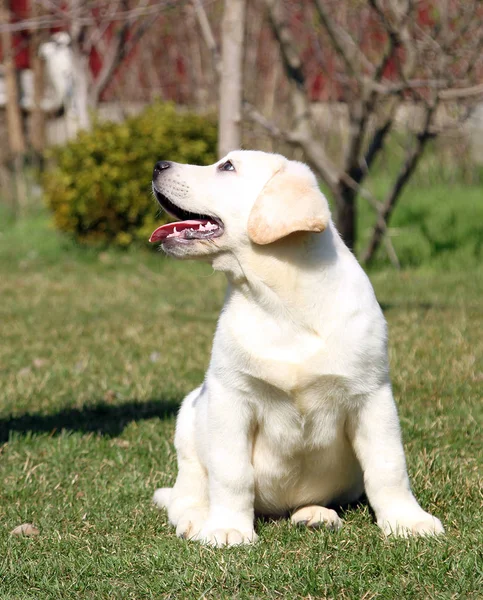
(226, 166)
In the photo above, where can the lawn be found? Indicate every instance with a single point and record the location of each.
(97, 350)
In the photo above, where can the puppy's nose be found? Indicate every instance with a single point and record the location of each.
(160, 166)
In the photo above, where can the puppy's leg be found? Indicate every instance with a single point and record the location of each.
(316, 516)
(376, 438)
(187, 501)
(231, 478)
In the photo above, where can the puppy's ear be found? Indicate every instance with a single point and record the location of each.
(289, 202)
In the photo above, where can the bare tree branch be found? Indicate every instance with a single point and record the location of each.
(208, 36)
(111, 60)
(287, 137)
(377, 143)
(302, 133)
(459, 93)
(252, 113)
(391, 252)
(400, 182)
(361, 123)
(63, 16)
(119, 49)
(350, 54)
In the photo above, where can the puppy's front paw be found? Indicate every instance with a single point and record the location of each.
(162, 497)
(421, 523)
(227, 537)
(191, 523)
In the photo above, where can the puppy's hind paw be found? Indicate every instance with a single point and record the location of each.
(317, 516)
(162, 497)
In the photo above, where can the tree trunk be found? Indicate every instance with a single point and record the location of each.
(346, 214)
(233, 37)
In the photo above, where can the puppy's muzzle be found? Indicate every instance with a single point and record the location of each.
(192, 226)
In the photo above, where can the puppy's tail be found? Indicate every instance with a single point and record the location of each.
(162, 497)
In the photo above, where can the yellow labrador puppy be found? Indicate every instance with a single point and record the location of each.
(296, 411)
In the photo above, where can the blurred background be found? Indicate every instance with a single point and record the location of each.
(373, 94)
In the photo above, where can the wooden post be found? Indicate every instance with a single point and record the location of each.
(16, 139)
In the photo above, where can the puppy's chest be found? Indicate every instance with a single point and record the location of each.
(279, 354)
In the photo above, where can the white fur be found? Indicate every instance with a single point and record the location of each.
(296, 409)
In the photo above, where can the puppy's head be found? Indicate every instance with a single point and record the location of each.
(246, 198)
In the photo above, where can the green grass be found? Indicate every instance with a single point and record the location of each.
(97, 350)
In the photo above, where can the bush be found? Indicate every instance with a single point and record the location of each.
(100, 187)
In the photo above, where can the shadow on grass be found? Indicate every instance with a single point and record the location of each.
(106, 419)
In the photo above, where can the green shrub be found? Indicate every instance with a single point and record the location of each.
(100, 187)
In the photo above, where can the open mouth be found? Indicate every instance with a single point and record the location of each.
(190, 227)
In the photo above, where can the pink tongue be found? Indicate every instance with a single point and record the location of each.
(162, 232)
